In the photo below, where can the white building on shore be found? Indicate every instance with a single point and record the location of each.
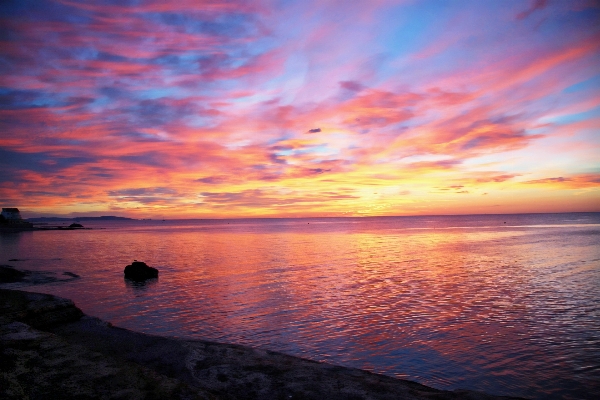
(11, 221)
(11, 214)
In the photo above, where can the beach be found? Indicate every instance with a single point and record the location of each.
(50, 349)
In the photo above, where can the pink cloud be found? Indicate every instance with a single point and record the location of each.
(536, 5)
(579, 181)
(244, 100)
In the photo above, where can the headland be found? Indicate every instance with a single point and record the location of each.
(11, 221)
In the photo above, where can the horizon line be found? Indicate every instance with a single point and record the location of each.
(313, 217)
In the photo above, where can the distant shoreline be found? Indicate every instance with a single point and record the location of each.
(17, 228)
(65, 219)
(115, 218)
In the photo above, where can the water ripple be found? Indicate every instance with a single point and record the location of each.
(511, 310)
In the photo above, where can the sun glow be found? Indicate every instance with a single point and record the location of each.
(220, 110)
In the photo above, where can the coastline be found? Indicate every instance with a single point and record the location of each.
(50, 347)
(16, 228)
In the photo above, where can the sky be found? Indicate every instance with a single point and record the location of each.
(226, 109)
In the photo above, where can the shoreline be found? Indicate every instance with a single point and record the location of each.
(55, 349)
(16, 229)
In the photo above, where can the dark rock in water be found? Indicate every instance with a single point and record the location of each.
(74, 225)
(8, 274)
(139, 271)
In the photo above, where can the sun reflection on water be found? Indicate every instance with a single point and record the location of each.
(511, 310)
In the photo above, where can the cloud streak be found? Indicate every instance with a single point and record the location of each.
(234, 108)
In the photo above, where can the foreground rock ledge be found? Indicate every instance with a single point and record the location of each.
(49, 349)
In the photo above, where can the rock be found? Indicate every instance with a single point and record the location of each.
(74, 225)
(8, 274)
(38, 364)
(139, 271)
(47, 352)
(37, 310)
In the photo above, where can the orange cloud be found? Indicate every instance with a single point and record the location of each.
(571, 182)
(218, 107)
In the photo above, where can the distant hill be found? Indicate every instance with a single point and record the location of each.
(61, 219)
(103, 218)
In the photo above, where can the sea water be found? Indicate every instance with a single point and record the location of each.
(506, 304)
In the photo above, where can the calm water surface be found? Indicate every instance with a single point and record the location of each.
(506, 304)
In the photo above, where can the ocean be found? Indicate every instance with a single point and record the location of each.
(506, 304)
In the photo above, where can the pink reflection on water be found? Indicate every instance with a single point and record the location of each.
(502, 310)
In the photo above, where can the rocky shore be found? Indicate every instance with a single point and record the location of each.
(50, 349)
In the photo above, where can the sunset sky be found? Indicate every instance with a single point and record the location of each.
(217, 109)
